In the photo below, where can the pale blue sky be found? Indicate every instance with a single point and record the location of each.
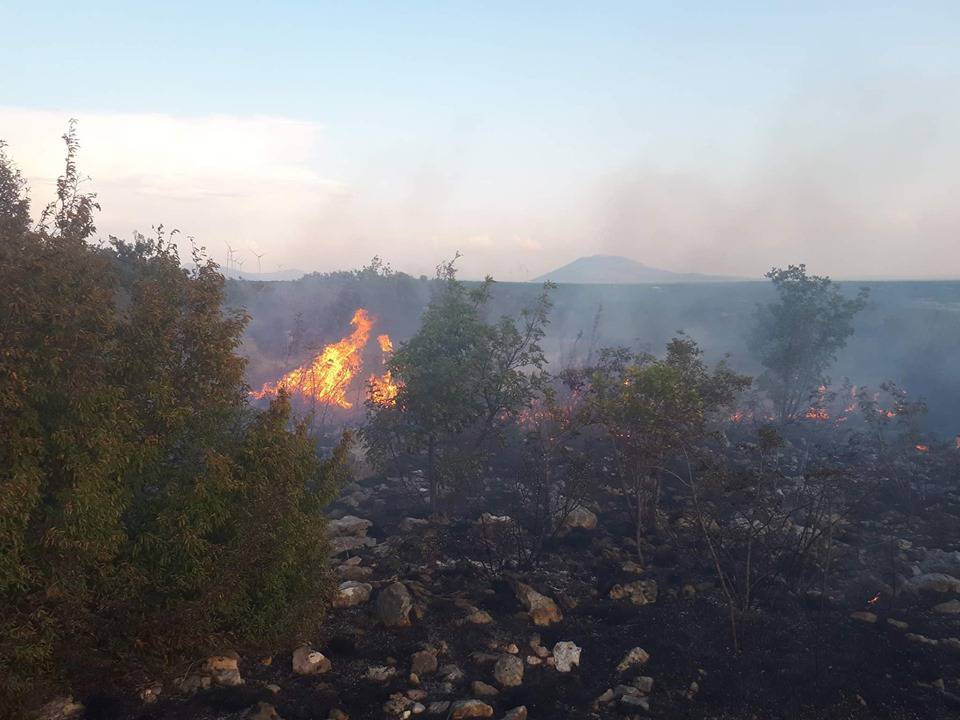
(668, 132)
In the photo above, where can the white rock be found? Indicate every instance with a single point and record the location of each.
(566, 654)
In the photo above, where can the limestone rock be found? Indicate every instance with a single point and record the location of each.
(423, 663)
(481, 689)
(470, 709)
(542, 610)
(517, 713)
(348, 525)
(639, 592)
(934, 583)
(951, 607)
(310, 662)
(508, 671)
(566, 654)
(351, 593)
(224, 669)
(580, 517)
(636, 656)
(394, 604)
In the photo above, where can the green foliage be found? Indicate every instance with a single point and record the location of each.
(146, 513)
(653, 412)
(798, 338)
(460, 378)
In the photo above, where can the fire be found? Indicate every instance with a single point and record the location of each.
(817, 413)
(383, 390)
(326, 378)
(874, 600)
(922, 448)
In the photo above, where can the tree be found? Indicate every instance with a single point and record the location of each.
(147, 514)
(459, 378)
(797, 338)
(653, 412)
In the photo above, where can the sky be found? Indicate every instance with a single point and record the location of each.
(698, 137)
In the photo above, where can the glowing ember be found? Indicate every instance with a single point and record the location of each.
(921, 448)
(874, 600)
(327, 377)
(817, 413)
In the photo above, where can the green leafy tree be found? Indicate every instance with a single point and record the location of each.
(147, 514)
(653, 413)
(460, 378)
(798, 337)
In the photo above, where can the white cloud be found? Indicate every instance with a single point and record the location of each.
(243, 180)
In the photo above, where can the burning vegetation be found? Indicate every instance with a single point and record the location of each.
(328, 377)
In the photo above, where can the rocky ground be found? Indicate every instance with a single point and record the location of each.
(431, 622)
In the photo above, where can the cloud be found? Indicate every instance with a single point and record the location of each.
(243, 180)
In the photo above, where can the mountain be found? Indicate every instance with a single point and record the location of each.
(264, 276)
(612, 269)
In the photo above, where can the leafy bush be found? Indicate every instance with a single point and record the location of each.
(146, 513)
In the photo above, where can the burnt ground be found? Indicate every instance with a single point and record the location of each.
(802, 655)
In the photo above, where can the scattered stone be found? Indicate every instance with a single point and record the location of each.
(533, 660)
(639, 592)
(441, 707)
(338, 714)
(224, 669)
(539, 650)
(920, 639)
(397, 705)
(481, 689)
(644, 684)
(580, 517)
(381, 673)
(394, 604)
(348, 543)
(451, 673)
(631, 702)
(195, 683)
(151, 693)
(488, 519)
(348, 525)
(565, 655)
(423, 663)
(637, 656)
(542, 610)
(410, 524)
(898, 624)
(470, 709)
(951, 644)
(517, 713)
(310, 662)
(351, 593)
(479, 617)
(934, 583)
(60, 708)
(508, 671)
(864, 616)
(951, 607)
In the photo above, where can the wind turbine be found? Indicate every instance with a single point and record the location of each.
(259, 256)
(229, 256)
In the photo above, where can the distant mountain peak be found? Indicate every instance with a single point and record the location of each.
(614, 269)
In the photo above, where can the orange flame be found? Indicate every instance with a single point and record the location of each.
(921, 447)
(327, 377)
(386, 345)
(874, 600)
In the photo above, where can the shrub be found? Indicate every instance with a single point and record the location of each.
(147, 514)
